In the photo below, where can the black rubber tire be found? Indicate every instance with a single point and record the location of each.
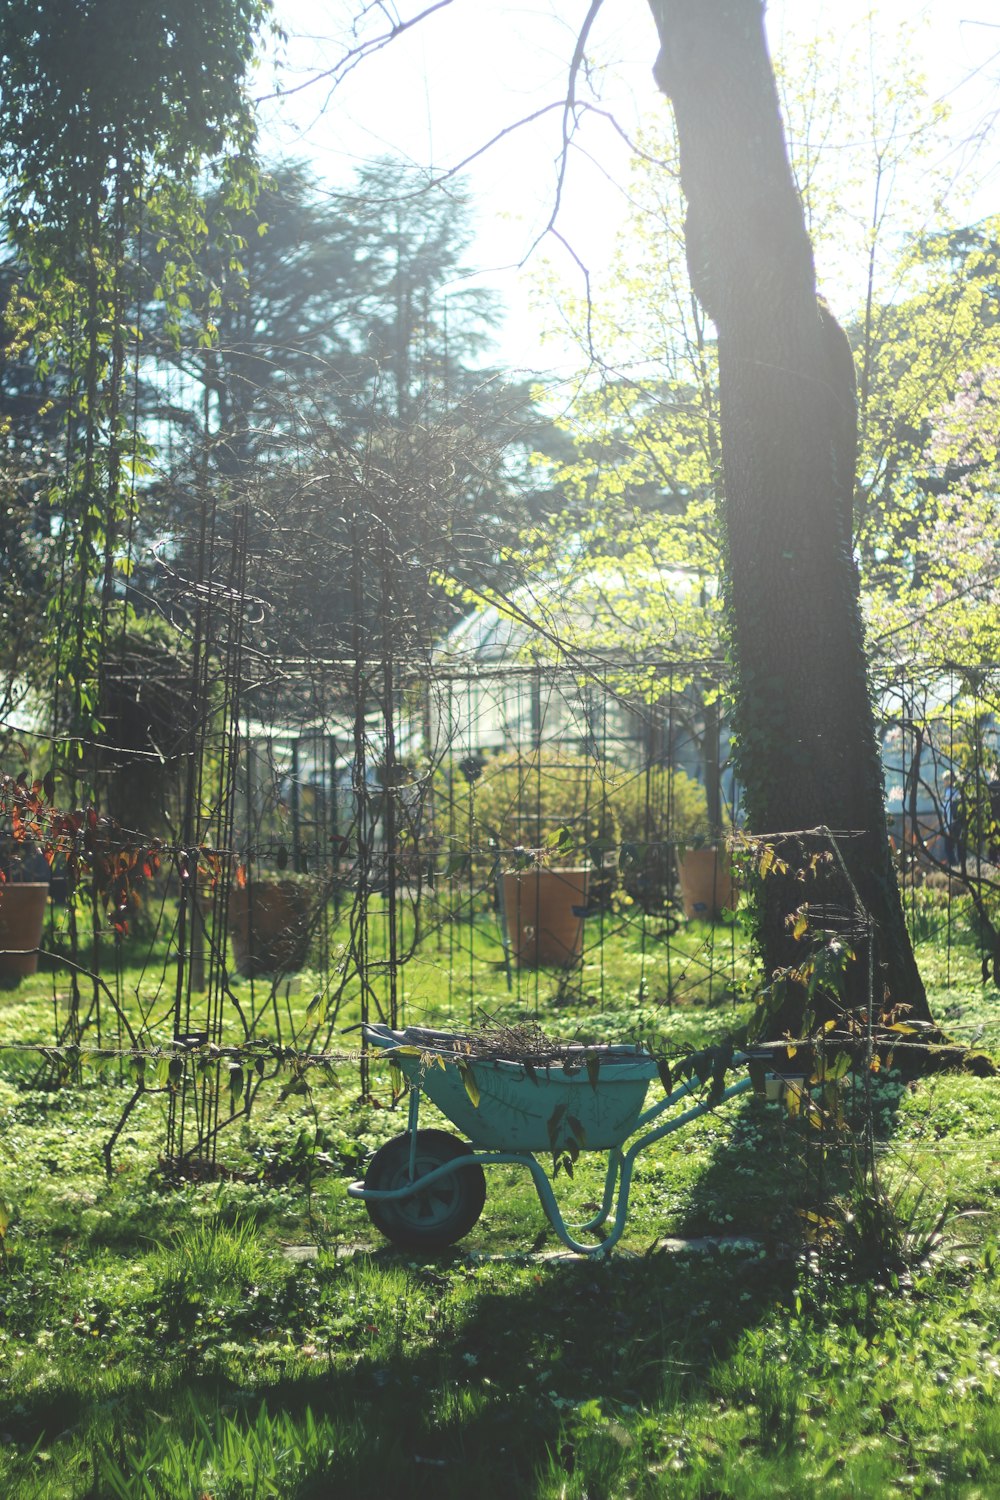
(438, 1217)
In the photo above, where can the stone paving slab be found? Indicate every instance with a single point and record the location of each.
(708, 1244)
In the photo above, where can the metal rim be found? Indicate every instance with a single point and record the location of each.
(436, 1216)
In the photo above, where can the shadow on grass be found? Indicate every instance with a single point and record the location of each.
(780, 1164)
(521, 1347)
(457, 1376)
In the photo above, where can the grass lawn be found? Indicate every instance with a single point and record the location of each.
(254, 1336)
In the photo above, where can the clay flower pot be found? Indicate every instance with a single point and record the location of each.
(707, 884)
(270, 925)
(22, 917)
(543, 914)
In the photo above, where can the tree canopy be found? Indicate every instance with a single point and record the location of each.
(96, 90)
(918, 310)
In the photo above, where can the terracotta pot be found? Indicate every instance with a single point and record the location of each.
(707, 884)
(269, 922)
(22, 918)
(542, 911)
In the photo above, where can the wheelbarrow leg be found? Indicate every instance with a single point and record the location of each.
(553, 1213)
(610, 1180)
(622, 1168)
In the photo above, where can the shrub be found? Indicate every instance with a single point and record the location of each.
(563, 801)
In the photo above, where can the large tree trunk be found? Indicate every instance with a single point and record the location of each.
(804, 725)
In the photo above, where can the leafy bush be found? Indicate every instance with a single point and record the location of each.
(531, 800)
(661, 805)
(563, 801)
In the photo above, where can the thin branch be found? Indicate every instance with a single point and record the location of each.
(569, 111)
(354, 55)
(584, 271)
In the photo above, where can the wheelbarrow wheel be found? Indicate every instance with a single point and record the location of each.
(442, 1213)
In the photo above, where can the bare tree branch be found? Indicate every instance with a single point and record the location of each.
(355, 55)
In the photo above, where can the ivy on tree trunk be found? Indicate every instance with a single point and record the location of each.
(805, 730)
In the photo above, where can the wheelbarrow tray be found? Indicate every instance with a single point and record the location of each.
(591, 1097)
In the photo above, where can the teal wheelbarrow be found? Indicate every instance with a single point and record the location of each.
(426, 1188)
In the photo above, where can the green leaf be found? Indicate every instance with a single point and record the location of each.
(597, 849)
(838, 1066)
(563, 842)
(296, 1085)
(701, 1062)
(469, 1079)
(552, 1125)
(628, 855)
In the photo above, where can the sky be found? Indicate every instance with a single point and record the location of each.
(472, 69)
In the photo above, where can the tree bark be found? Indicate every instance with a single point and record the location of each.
(807, 748)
